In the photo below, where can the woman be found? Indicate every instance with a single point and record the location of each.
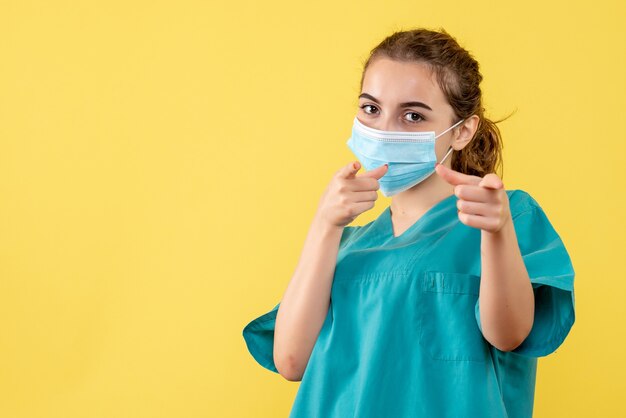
(441, 305)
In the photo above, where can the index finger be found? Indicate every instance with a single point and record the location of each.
(455, 177)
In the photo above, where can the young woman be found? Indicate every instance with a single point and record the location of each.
(442, 304)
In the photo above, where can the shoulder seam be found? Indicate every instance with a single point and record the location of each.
(526, 204)
(532, 208)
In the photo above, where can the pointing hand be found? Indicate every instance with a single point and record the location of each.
(482, 201)
(349, 195)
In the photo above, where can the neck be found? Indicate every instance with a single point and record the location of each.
(422, 196)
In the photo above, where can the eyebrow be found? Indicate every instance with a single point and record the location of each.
(406, 104)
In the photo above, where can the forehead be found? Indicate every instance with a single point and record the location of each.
(393, 82)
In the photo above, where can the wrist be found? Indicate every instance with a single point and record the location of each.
(506, 230)
(324, 226)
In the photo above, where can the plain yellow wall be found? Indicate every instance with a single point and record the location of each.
(160, 163)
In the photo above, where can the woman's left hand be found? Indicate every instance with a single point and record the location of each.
(482, 201)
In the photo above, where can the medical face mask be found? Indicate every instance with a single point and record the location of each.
(410, 155)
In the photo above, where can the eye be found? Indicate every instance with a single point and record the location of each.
(366, 106)
(415, 117)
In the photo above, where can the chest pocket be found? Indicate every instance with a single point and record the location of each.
(449, 331)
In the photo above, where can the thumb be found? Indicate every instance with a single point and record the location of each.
(491, 181)
(376, 173)
(349, 171)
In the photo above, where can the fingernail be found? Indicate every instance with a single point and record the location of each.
(386, 165)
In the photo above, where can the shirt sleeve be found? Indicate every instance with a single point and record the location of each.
(258, 334)
(552, 277)
(259, 337)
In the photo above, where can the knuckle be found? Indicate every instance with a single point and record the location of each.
(343, 186)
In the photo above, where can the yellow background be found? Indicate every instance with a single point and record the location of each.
(160, 163)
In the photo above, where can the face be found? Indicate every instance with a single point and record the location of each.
(405, 96)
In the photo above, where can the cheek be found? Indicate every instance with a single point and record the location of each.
(441, 149)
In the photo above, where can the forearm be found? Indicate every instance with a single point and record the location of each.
(305, 303)
(507, 301)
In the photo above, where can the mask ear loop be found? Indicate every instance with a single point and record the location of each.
(446, 156)
(451, 149)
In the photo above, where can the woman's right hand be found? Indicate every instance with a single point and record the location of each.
(349, 195)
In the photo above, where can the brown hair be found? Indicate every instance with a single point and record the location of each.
(459, 78)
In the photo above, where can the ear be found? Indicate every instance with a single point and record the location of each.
(465, 132)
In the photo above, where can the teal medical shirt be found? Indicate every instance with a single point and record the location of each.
(402, 336)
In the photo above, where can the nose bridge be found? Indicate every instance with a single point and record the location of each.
(386, 123)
